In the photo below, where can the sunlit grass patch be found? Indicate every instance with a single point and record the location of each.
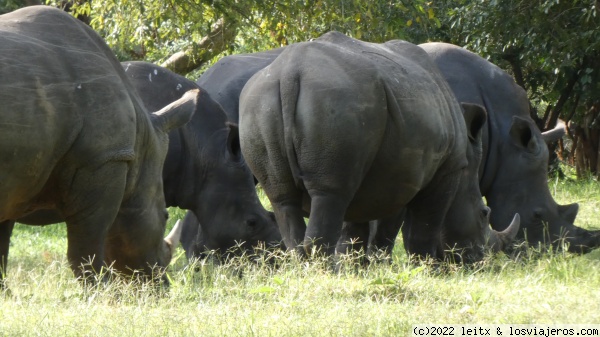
(276, 293)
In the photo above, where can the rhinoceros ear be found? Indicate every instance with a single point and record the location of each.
(233, 142)
(177, 113)
(568, 212)
(475, 117)
(522, 134)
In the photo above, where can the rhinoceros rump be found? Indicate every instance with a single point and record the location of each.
(344, 129)
(75, 138)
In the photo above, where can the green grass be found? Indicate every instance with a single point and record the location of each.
(246, 298)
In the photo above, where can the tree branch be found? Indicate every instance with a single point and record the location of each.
(564, 96)
(222, 34)
(512, 56)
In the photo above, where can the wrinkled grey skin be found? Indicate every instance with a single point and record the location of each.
(75, 138)
(204, 170)
(513, 174)
(349, 130)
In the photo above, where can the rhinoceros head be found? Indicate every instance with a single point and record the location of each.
(229, 211)
(467, 233)
(135, 241)
(520, 185)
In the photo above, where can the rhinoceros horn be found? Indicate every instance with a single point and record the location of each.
(500, 240)
(554, 134)
(174, 236)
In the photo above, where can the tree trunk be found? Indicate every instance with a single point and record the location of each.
(564, 97)
(183, 62)
(586, 144)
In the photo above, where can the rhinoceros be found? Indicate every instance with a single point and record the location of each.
(76, 140)
(513, 172)
(204, 170)
(348, 130)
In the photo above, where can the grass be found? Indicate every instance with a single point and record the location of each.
(297, 298)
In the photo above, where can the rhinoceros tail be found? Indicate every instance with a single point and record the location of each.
(289, 89)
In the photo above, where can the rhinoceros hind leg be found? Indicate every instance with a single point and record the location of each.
(421, 241)
(290, 218)
(325, 223)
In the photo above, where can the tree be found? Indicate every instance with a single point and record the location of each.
(11, 5)
(184, 35)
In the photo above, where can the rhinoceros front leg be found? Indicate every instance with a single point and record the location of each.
(90, 208)
(6, 228)
(353, 238)
(373, 237)
(422, 240)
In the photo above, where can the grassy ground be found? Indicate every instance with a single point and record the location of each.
(245, 298)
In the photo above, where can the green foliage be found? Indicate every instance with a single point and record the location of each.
(153, 30)
(545, 43)
(10, 5)
(150, 30)
(376, 21)
(549, 41)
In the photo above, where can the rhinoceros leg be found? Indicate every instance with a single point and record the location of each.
(383, 237)
(375, 236)
(422, 240)
(90, 209)
(290, 218)
(6, 229)
(353, 238)
(325, 223)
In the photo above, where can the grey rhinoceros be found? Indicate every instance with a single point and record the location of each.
(514, 169)
(75, 139)
(348, 130)
(204, 170)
